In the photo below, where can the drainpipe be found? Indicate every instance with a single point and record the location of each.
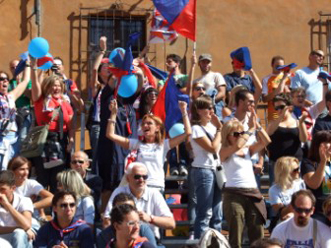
(37, 11)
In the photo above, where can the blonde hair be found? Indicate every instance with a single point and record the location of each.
(72, 181)
(227, 128)
(202, 102)
(283, 168)
(47, 85)
(159, 135)
(326, 205)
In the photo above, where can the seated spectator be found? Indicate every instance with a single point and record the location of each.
(153, 148)
(266, 243)
(287, 182)
(301, 230)
(126, 224)
(93, 183)
(151, 205)
(70, 180)
(274, 84)
(108, 233)
(63, 231)
(324, 123)
(316, 170)
(15, 213)
(327, 209)
(286, 133)
(41, 197)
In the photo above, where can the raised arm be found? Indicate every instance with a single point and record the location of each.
(187, 126)
(280, 89)
(21, 87)
(94, 80)
(303, 133)
(321, 104)
(273, 125)
(191, 75)
(258, 86)
(118, 139)
(35, 83)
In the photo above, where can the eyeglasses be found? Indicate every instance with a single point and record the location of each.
(66, 205)
(3, 79)
(77, 161)
(280, 107)
(302, 210)
(199, 88)
(237, 134)
(137, 177)
(296, 170)
(133, 223)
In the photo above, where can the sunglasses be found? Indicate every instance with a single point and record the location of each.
(77, 161)
(3, 78)
(137, 177)
(66, 205)
(302, 210)
(237, 134)
(280, 107)
(296, 170)
(199, 88)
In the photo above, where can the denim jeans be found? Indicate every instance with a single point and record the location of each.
(18, 238)
(209, 201)
(192, 199)
(8, 149)
(23, 132)
(94, 139)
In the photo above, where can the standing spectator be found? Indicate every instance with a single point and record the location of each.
(324, 123)
(286, 133)
(275, 83)
(8, 127)
(301, 230)
(63, 231)
(243, 202)
(307, 77)
(15, 213)
(316, 170)
(213, 81)
(206, 138)
(48, 96)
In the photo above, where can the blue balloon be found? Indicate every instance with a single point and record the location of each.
(116, 56)
(176, 130)
(128, 86)
(48, 64)
(38, 47)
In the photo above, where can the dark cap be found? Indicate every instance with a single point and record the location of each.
(206, 56)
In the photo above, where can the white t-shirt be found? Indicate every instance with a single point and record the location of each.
(21, 204)
(302, 237)
(85, 210)
(277, 195)
(29, 188)
(202, 158)
(153, 156)
(239, 171)
(211, 80)
(151, 202)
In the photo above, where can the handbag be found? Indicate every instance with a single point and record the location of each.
(33, 144)
(219, 172)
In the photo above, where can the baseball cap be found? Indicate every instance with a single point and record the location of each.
(206, 56)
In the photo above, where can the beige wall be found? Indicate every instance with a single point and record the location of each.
(278, 27)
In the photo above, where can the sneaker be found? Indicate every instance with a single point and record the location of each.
(183, 171)
(174, 172)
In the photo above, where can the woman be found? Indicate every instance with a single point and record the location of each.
(8, 127)
(29, 187)
(286, 133)
(327, 209)
(71, 180)
(49, 97)
(287, 182)
(147, 101)
(243, 202)
(100, 77)
(153, 148)
(126, 225)
(316, 170)
(206, 139)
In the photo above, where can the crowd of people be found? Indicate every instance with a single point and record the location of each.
(122, 183)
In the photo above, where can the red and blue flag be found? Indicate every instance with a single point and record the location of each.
(180, 14)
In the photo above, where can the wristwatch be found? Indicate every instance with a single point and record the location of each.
(249, 133)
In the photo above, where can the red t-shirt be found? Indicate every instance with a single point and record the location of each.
(43, 117)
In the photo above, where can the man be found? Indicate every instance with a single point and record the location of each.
(213, 81)
(275, 83)
(173, 63)
(151, 204)
(301, 230)
(324, 123)
(15, 213)
(61, 232)
(71, 86)
(80, 163)
(266, 243)
(307, 78)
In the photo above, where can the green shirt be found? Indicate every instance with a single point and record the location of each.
(22, 101)
(181, 80)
